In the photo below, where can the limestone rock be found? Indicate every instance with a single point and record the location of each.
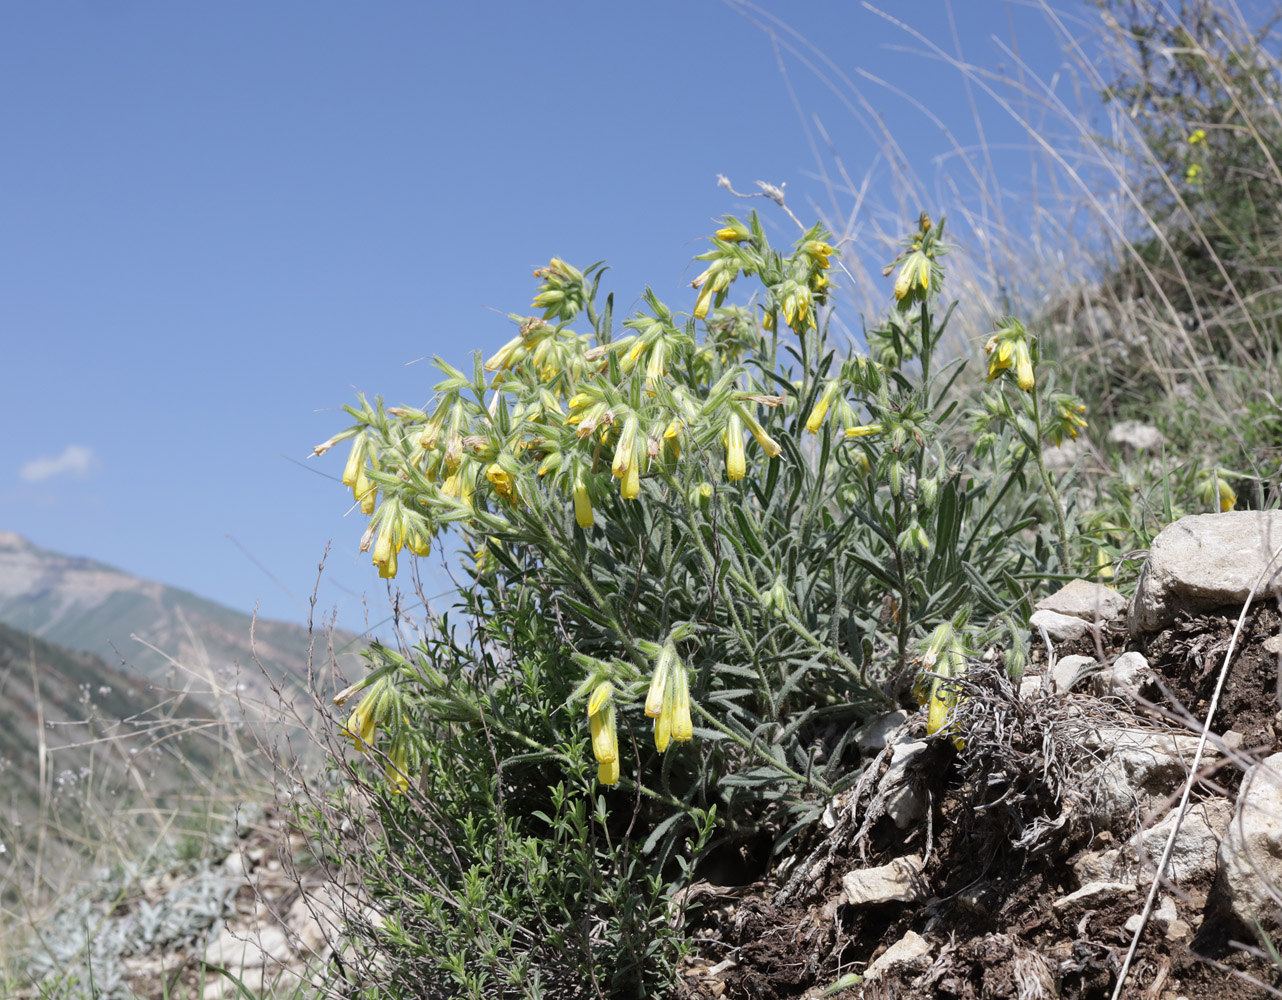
(1135, 769)
(1204, 561)
(1250, 856)
(1092, 602)
(1136, 435)
(1196, 845)
(898, 882)
(904, 802)
(875, 734)
(910, 953)
(1070, 671)
(1095, 895)
(1061, 628)
(1124, 677)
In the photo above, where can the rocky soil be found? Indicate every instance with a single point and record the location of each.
(1021, 864)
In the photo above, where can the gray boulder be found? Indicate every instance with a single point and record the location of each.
(1204, 561)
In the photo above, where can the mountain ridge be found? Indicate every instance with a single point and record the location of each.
(152, 628)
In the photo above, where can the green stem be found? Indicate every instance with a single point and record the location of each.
(1061, 531)
(755, 748)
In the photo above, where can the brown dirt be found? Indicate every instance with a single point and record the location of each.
(989, 921)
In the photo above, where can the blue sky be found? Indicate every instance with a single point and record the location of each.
(220, 221)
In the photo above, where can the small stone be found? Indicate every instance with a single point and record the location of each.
(898, 882)
(904, 802)
(1250, 855)
(1126, 673)
(910, 953)
(1060, 628)
(1233, 740)
(1030, 685)
(1092, 602)
(1069, 671)
(1273, 644)
(1136, 435)
(1094, 895)
(875, 734)
(1193, 858)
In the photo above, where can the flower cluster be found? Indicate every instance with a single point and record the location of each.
(381, 704)
(668, 700)
(918, 264)
(561, 412)
(1010, 349)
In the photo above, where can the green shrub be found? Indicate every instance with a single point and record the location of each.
(714, 521)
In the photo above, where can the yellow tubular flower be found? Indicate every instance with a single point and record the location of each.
(816, 418)
(362, 726)
(605, 737)
(582, 505)
(506, 353)
(736, 461)
(365, 492)
(385, 546)
(630, 488)
(768, 444)
(682, 726)
(355, 458)
(417, 543)
(501, 481)
(395, 771)
(387, 569)
(1023, 367)
(657, 697)
(819, 252)
(663, 731)
(623, 451)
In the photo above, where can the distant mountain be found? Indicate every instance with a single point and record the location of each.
(186, 641)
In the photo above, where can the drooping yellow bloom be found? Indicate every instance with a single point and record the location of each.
(506, 354)
(819, 252)
(365, 492)
(605, 737)
(736, 460)
(768, 444)
(417, 543)
(1198, 138)
(820, 411)
(913, 280)
(944, 660)
(795, 305)
(863, 430)
(355, 459)
(1009, 350)
(682, 726)
(385, 546)
(362, 724)
(500, 480)
(395, 771)
(1213, 489)
(625, 448)
(582, 504)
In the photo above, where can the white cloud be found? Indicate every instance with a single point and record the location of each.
(75, 460)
